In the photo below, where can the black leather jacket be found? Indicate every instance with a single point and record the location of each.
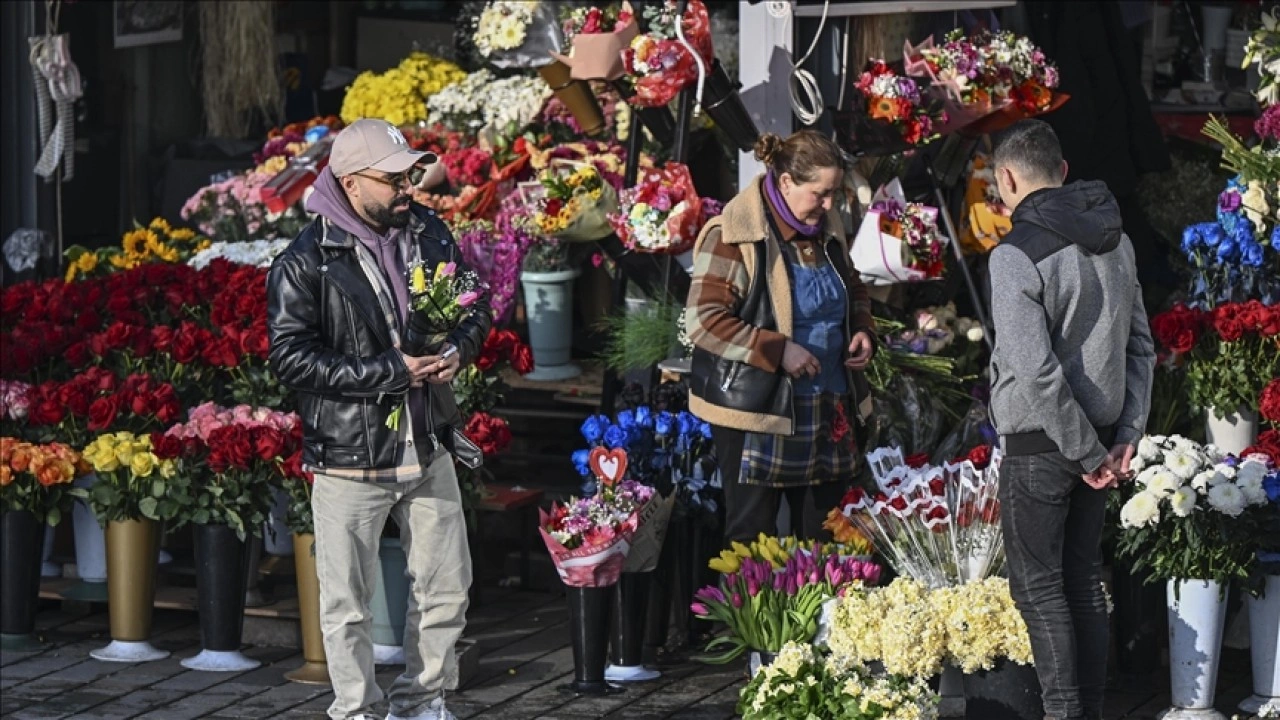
(330, 343)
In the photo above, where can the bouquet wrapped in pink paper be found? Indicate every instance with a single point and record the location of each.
(589, 538)
(596, 37)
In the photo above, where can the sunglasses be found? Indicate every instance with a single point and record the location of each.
(412, 177)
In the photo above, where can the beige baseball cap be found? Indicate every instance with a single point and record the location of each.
(374, 144)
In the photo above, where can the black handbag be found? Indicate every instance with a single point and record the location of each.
(463, 450)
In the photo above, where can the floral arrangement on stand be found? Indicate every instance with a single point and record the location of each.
(1182, 516)
(400, 94)
(803, 682)
(892, 113)
(37, 478)
(572, 202)
(1235, 257)
(937, 524)
(662, 213)
(776, 598)
(1228, 355)
(658, 63)
(157, 242)
(898, 241)
(914, 630)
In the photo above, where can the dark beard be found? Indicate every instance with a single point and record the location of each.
(386, 217)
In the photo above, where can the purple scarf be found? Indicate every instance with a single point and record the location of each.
(779, 204)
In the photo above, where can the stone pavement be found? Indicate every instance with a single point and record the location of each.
(522, 639)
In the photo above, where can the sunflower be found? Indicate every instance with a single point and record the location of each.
(134, 243)
(160, 224)
(182, 235)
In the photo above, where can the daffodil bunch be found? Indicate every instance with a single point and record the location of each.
(132, 481)
(894, 625)
(157, 242)
(575, 202)
(803, 683)
(400, 94)
(37, 478)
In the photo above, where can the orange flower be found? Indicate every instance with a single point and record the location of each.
(7, 444)
(20, 459)
(53, 471)
(884, 109)
(6, 476)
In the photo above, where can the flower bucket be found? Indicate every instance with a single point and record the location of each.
(1264, 646)
(1233, 432)
(589, 635)
(548, 303)
(276, 538)
(315, 667)
(131, 587)
(1008, 691)
(91, 549)
(21, 540)
(1197, 614)
(630, 607)
(722, 103)
(222, 563)
(576, 95)
(390, 603)
(758, 660)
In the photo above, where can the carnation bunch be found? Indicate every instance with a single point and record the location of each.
(400, 94)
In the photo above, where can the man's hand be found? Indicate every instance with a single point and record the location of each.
(1120, 457)
(1104, 477)
(419, 368)
(797, 361)
(860, 350)
(443, 367)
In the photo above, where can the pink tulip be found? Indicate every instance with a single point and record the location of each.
(449, 269)
(699, 609)
(468, 298)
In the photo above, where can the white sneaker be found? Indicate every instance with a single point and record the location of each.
(435, 711)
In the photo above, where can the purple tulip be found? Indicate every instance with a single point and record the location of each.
(753, 587)
(813, 576)
(467, 299)
(699, 609)
(872, 577)
(731, 580)
(737, 600)
(780, 582)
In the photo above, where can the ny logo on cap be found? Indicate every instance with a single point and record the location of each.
(396, 137)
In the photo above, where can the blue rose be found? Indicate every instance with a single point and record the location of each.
(589, 487)
(688, 423)
(580, 462)
(1252, 254)
(1272, 485)
(626, 419)
(615, 437)
(644, 417)
(1227, 251)
(664, 423)
(593, 428)
(705, 429)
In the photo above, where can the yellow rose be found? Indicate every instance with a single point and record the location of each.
(143, 464)
(124, 453)
(168, 468)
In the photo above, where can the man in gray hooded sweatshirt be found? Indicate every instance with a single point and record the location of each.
(337, 303)
(1071, 387)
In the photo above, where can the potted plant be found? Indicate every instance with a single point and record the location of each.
(35, 491)
(226, 461)
(1181, 523)
(131, 497)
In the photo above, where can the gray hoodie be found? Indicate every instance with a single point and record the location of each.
(1073, 359)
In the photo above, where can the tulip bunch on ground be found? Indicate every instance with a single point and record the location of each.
(770, 600)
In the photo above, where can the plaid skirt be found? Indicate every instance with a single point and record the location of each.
(822, 449)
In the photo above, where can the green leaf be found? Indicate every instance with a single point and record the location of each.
(148, 507)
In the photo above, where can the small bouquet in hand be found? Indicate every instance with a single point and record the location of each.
(575, 202)
(662, 213)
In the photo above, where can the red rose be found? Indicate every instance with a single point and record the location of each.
(1252, 315)
(1226, 322)
(489, 432)
(88, 321)
(75, 397)
(255, 341)
(119, 302)
(1269, 401)
(230, 448)
(937, 487)
(980, 457)
(77, 355)
(100, 380)
(898, 503)
(221, 353)
(1271, 321)
(487, 359)
(991, 512)
(166, 405)
(1269, 442)
(46, 411)
(165, 447)
(853, 497)
(162, 338)
(119, 336)
(140, 404)
(103, 412)
(268, 442)
(918, 460)
(522, 360)
(185, 349)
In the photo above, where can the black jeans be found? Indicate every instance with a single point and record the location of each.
(1052, 526)
(752, 509)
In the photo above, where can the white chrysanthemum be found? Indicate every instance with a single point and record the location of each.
(1203, 481)
(1142, 509)
(1213, 453)
(1148, 449)
(1163, 482)
(1182, 463)
(1225, 473)
(1227, 499)
(1251, 470)
(1183, 501)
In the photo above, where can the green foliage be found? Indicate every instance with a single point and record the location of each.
(641, 340)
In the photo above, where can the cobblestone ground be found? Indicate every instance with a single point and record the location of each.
(522, 638)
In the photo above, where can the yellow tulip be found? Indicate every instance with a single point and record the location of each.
(740, 550)
(726, 563)
(418, 282)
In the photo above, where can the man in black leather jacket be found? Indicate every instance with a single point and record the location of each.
(337, 302)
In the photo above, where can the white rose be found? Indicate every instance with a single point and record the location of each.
(1227, 499)
(975, 334)
(1183, 501)
(1142, 509)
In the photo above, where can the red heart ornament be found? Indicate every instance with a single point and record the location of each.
(608, 465)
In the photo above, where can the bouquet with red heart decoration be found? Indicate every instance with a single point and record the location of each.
(589, 537)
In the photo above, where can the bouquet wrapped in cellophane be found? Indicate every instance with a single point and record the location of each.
(571, 201)
(660, 65)
(898, 241)
(662, 213)
(937, 524)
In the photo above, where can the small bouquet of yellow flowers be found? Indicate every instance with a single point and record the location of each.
(571, 201)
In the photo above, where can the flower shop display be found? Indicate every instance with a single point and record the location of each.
(1262, 51)
(571, 201)
(1228, 356)
(658, 63)
(773, 596)
(662, 213)
(157, 242)
(232, 210)
(256, 253)
(1181, 523)
(482, 102)
(987, 217)
(496, 258)
(596, 38)
(1234, 258)
(890, 114)
(588, 541)
(35, 491)
(801, 682)
(937, 524)
(989, 80)
(400, 94)
(898, 241)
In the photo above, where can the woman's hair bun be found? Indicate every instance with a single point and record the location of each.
(767, 146)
